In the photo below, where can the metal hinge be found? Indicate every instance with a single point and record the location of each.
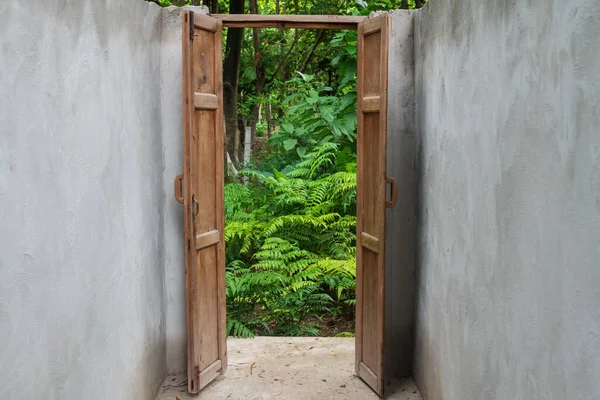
(191, 25)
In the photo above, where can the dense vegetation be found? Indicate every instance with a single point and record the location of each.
(290, 232)
(290, 211)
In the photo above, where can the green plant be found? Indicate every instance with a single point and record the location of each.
(290, 239)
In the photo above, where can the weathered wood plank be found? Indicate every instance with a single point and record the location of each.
(207, 239)
(369, 242)
(371, 104)
(371, 199)
(203, 198)
(206, 23)
(289, 21)
(205, 101)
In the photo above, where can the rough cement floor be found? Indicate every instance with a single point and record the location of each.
(266, 368)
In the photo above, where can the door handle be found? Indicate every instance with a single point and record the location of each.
(178, 188)
(394, 190)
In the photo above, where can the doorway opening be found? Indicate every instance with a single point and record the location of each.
(291, 275)
(290, 183)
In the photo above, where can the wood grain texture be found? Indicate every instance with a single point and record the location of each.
(206, 239)
(289, 21)
(367, 375)
(205, 101)
(371, 197)
(371, 104)
(210, 373)
(207, 23)
(220, 195)
(369, 242)
(203, 181)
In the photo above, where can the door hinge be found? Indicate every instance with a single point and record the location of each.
(191, 25)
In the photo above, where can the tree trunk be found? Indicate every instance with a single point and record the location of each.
(259, 71)
(231, 67)
(236, 145)
(213, 5)
(268, 118)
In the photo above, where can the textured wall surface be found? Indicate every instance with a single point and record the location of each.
(82, 311)
(508, 109)
(401, 220)
(173, 157)
(172, 132)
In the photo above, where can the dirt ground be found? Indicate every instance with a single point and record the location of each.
(266, 368)
(333, 326)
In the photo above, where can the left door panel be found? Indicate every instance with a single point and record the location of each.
(202, 194)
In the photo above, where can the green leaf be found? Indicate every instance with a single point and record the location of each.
(301, 151)
(278, 174)
(288, 128)
(306, 78)
(289, 144)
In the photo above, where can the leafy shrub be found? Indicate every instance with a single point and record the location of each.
(291, 234)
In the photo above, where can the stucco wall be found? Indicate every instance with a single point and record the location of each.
(401, 220)
(508, 111)
(82, 310)
(173, 157)
(172, 131)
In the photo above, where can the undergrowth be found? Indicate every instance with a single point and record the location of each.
(291, 231)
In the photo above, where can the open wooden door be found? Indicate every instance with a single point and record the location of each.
(202, 196)
(373, 38)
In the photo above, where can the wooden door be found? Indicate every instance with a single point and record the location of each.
(373, 37)
(203, 180)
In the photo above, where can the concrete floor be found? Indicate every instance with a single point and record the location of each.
(267, 368)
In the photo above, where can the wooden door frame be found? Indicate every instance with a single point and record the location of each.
(330, 22)
(289, 21)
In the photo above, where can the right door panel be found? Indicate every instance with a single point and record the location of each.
(373, 37)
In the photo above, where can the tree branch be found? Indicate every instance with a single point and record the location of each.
(283, 60)
(312, 51)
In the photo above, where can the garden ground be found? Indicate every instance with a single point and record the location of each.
(299, 368)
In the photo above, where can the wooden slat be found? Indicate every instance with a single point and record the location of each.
(371, 104)
(205, 101)
(360, 193)
(368, 376)
(188, 111)
(207, 239)
(371, 26)
(210, 373)
(289, 21)
(220, 195)
(206, 23)
(369, 242)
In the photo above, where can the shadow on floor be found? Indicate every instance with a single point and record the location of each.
(266, 368)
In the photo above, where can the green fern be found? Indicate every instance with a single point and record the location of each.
(291, 232)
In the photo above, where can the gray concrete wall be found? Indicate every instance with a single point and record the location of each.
(173, 157)
(82, 294)
(401, 220)
(508, 111)
(172, 153)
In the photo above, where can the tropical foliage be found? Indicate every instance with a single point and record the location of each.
(290, 231)
(290, 211)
